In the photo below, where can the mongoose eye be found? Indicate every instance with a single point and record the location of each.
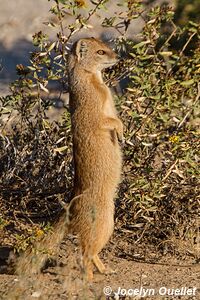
(101, 52)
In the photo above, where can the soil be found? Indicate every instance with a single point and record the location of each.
(167, 277)
(133, 277)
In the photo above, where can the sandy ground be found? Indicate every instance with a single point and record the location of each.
(164, 279)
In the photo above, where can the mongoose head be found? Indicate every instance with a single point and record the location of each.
(92, 54)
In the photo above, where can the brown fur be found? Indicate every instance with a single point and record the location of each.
(97, 156)
(97, 161)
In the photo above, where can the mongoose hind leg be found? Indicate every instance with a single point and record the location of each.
(100, 266)
(98, 263)
(88, 267)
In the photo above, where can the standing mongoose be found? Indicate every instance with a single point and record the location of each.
(96, 130)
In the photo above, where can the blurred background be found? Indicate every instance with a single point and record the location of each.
(19, 20)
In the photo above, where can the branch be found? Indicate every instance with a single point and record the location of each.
(191, 109)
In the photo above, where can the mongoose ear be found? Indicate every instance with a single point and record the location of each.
(81, 49)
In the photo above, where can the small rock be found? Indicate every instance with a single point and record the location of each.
(36, 294)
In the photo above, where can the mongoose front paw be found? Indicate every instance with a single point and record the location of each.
(119, 131)
(120, 137)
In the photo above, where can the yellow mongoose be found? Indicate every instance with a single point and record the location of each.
(97, 160)
(96, 151)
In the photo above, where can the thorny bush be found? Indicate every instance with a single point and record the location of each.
(158, 200)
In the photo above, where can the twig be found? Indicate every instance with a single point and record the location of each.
(170, 37)
(60, 17)
(91, 13)
(94, 10)
(188, 41)
(191, 109)
(170, 170)
(181, 53)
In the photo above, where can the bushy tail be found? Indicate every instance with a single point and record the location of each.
(32, 260)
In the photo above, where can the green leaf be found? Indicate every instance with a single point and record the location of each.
(141, 44)
(60, 149)
(187, 82)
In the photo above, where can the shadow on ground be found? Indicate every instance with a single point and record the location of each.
(9, 58)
